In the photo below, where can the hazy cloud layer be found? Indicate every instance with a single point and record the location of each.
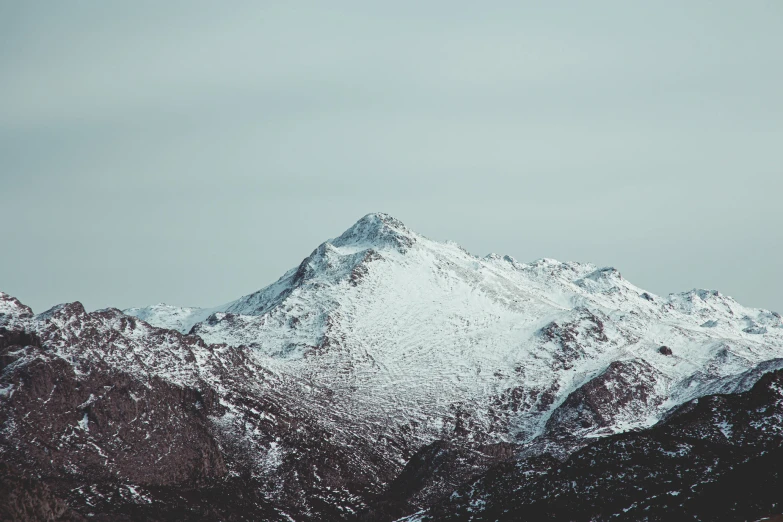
(191, 152)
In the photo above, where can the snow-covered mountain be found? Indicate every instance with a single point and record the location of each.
(374, 379)
(400, 325)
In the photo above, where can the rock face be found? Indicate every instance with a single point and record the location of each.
(714, 458)
(379, 376)
(623, 394)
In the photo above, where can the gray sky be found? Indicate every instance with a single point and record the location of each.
(191, 152)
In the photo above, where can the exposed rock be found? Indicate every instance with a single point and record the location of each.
(625, 394)
(716, 458)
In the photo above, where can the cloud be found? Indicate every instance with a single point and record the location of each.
(612, 132)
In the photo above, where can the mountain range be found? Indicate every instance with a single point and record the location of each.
(390, 376)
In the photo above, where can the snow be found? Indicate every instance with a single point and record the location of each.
(170, 317)
(137, 496)
(7, 390)
(726, 428)
(84, 424)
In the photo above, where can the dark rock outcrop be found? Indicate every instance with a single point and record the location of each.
(624, 390)
(715, 458)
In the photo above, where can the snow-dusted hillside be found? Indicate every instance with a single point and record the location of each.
(416, 332)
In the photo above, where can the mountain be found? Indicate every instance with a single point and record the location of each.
(373, 380)
(403, 326)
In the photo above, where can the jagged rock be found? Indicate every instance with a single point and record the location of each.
(624, 395)
(715, 458)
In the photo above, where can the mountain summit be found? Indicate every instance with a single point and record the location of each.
(376, 230)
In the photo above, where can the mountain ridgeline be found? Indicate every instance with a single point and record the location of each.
(389, 376)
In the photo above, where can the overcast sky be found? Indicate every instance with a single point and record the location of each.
(191, 152)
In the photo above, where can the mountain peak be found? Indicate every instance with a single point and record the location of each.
(12, 307)
(377, 230)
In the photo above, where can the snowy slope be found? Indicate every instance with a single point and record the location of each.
(407, 331)
(176, 318)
